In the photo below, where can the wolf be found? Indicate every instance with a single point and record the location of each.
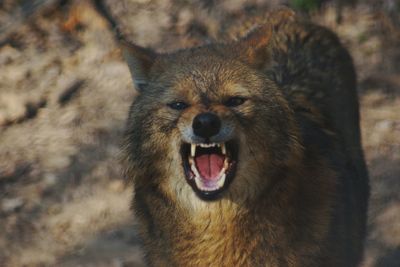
(248, 152)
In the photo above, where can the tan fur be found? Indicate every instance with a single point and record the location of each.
(300, 173)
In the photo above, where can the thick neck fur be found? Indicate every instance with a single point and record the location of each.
(268, 231)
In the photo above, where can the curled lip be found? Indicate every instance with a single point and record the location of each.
(209, 189)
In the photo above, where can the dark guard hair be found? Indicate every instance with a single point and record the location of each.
(300, 190)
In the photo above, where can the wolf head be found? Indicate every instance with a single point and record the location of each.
(207, 123)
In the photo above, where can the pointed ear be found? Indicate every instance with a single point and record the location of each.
(253, 49)
(139, 61)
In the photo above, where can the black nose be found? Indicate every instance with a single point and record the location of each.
(206, 125)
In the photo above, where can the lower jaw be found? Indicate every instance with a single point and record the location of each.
(211, 190)
(208, 195)
(209, 186)
(213, 185)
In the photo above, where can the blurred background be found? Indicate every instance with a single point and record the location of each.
(65, 94)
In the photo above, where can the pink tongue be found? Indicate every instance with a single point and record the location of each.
(209, 165)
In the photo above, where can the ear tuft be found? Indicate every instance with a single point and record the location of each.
(140, 60)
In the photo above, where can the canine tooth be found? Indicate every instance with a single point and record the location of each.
(221, 172)
(198, 183)
(191, 161)
(194, 170)
(221, 181)
(226, 164)
(223, 148)
(193, 150)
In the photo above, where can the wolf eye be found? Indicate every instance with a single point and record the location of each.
(234, 101)
(178, 105)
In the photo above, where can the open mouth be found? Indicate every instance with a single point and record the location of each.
(209, 168)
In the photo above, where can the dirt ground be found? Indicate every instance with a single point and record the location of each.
(64, 98)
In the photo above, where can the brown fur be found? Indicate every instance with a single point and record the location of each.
(300, 192)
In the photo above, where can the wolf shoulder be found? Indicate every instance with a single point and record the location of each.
(310, 60)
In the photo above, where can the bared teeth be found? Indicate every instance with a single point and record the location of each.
(226, 164)
(223, 148)
(201, 183)
(193, 147)
(221, 181)
(223, 170)
(194, 170)
(218, 185)
(207, 145)
(193, 150)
